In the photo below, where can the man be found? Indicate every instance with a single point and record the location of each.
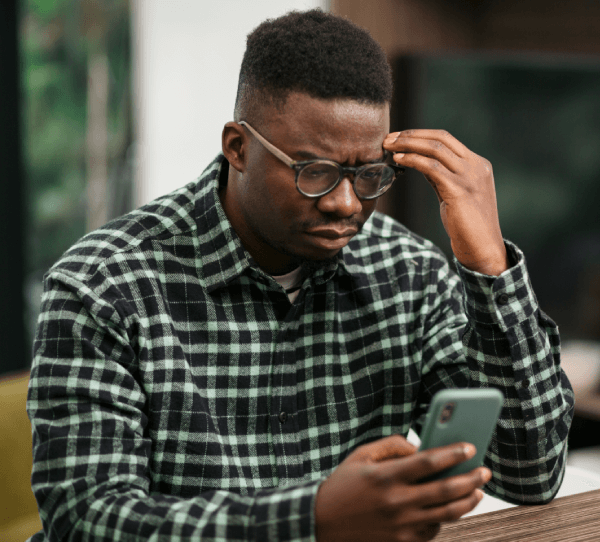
(242, 359)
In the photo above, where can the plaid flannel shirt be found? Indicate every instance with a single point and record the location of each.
(176, 394)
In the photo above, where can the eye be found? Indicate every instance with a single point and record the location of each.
(314, 172)
(372, 173)
(319, 170)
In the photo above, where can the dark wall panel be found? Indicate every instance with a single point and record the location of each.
(14, 352)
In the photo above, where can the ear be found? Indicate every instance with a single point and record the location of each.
(235, 145)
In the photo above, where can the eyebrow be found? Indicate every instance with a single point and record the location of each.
(310, 156)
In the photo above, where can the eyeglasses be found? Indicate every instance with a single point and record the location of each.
(315, 178)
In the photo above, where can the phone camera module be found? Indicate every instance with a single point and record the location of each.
(447, 412)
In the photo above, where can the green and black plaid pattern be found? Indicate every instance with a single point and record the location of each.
(176, 394)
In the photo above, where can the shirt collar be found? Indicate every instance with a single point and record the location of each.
(222, 256)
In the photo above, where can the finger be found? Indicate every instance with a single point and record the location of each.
(450, 511)
(391, 447)
(450, 489)
(434, 170)
(432, 148)
(421, 464)
(439, 135)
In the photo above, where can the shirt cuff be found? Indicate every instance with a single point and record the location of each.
(504, 301)
(286, 514)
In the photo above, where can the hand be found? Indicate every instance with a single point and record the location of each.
(374, 493)
(464, 184)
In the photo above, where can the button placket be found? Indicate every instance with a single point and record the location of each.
(284, 424)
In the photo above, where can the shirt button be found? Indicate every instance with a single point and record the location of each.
(525, 383)
(283, 417)
(502, 299)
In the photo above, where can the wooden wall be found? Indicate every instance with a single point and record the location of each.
(410, 26)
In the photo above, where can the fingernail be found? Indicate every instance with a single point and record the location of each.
(486, 476)
(398, 155)
(480, 494)
(469, 450)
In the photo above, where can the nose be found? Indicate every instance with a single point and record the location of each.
(342, 201)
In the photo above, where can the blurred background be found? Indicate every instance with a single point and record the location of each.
(107, 104)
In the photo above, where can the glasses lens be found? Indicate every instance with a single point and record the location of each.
(373, 180)
(317, 178)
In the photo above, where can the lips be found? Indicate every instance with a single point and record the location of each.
(333, 233)
(330, 239)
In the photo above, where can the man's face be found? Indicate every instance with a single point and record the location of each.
(279, 226)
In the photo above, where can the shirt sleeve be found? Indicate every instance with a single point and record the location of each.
(92, 452)
(509, 343)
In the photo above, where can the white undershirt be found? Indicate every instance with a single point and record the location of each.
(291, 283)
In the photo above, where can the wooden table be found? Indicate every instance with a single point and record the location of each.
(569, 519)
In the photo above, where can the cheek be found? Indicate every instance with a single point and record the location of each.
(368, 207)
(274, 204)
(283, 198)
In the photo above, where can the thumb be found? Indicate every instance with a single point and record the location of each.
(390, 447)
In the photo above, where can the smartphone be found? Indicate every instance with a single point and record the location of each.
(461, 415)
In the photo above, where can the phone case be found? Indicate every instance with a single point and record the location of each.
(462, 415)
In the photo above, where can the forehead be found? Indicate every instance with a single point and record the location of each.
(328, 127)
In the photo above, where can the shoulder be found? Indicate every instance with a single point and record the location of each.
(164, 217)
(170, 218)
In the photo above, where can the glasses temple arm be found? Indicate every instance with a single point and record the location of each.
(270, 147)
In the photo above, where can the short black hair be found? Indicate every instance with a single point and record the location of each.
(320, 54)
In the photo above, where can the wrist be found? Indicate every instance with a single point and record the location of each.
(492, 266)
